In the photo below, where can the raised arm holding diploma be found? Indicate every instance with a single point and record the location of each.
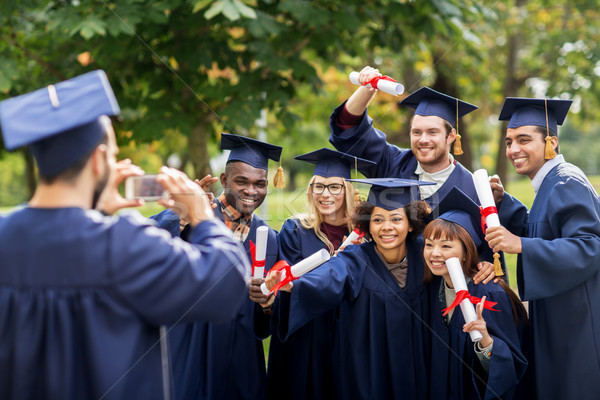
(384, 83)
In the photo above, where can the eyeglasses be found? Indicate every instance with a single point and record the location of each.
(334, 188)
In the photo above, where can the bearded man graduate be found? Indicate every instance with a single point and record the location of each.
(558, 247)
(226, 361)
(83, 295)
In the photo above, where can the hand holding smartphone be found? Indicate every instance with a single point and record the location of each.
(144, 188)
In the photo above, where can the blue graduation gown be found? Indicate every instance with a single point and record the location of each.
(300, 367)
(370, 143)
(456, 370)
(82, 297)
(381, 348)
(557, 272)
(225, 360)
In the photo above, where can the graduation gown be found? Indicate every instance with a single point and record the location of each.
(300, 367)
(367, 142)
(225, 360)
(381, 348)
(557, 272)
(456, 370)
(82, 297)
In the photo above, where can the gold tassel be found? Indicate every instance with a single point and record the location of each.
(549, 152)
(278, 179)
(458, 146)
(497, 267)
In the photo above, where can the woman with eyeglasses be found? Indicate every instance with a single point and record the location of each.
(300, 367)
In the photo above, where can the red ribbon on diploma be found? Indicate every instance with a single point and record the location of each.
(253, 255)
(282, 265)
(374, 81)
(464, 294)
(485, 212)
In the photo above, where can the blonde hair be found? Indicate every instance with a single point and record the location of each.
(312, 218)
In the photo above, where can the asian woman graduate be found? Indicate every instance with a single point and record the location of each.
(381, 344)
(494, 366)
(301, 367)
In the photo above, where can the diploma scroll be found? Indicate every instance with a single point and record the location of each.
(390, 87)
(486, 198)
(355, 234)
(301, 268)
(488, 209)
(459, 283)
(262, 233)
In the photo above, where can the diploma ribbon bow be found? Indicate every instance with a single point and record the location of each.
(485, 212)
(253, 255)
(464, 294)
(374, 81)
(282, 265)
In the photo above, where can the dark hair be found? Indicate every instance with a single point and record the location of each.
(442, 229)
(416, 212)
(447, 125)
(74, 170)
(545, 133)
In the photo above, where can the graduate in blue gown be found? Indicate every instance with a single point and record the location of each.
(433, 128)
(495, 366)
(227, 361)
(301, 366)
(381, 345)
(558, 247)
(83, 295)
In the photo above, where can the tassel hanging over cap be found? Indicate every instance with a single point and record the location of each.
(457, 143)
(497, 266)
(279, 179)
(549, 152)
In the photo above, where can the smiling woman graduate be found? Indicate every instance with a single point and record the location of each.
(381, 343)
(301, 366)
(494, 366)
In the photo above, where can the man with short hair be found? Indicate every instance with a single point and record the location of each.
(226, 360)
(558, 247)
(82, 295)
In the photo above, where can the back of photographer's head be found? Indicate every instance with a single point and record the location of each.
(61, 124)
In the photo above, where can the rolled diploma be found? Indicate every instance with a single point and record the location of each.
(459, 283)
(351, 237)
(484, 192)
(262, 232)
(393, 88)
(304, 266)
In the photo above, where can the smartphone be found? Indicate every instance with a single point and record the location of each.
(144, 188)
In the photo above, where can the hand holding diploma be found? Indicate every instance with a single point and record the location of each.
(464, 298)
(383, 83)
(353, 238)
(489, 213)
(289, 273)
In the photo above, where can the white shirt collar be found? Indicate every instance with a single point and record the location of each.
(537, 180)
(439, 178)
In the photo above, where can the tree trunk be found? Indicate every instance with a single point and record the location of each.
(447, 84)
(511, 88)
(198, 148)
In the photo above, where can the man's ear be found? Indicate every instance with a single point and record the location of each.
(451, 136)
(98, 159)
(554, 142)
(223, 179)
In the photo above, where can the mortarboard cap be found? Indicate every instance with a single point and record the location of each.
(459, 208)
(59, 123)
(524, 111)
(392, 193)
(428, 102)
(335, 163)
(250, 151)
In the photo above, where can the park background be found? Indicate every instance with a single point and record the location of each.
(184, 71)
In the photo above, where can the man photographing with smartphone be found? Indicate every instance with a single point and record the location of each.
(82, 295)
